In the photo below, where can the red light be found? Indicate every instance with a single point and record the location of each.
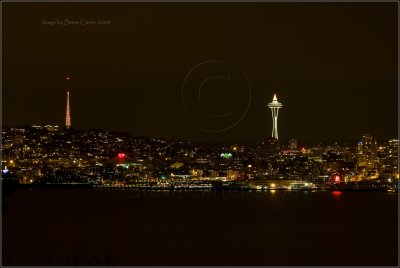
(121, 155)
(303, 149)
(337, 178)
(67, 78)
(336, 193)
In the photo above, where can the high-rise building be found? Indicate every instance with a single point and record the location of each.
(275, 106)
(271, 147)
(392, 160)
(293, 145)
(393, 147)
(367, 151)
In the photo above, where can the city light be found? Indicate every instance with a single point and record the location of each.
(226, 155)
(336, 193)
(178, 155)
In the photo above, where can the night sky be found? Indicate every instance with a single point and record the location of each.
(333, 66)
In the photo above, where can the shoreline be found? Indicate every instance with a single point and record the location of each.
(147, 189)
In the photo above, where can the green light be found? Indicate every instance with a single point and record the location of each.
(226, 155)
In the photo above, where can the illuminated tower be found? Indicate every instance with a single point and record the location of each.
(275, 106)
(67, 114)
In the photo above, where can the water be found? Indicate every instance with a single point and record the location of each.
(125, 227)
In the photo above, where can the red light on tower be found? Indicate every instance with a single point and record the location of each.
(67, 78)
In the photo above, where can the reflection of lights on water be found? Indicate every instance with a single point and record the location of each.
(273, 191)
(336, 193)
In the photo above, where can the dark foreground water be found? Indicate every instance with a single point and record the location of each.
(125, 227)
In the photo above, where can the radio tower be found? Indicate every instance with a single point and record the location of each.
(67, 114)
(275, 106)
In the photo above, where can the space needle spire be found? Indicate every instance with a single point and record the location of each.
(275, 106)
(67, 113)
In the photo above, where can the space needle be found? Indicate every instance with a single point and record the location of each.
(275, 105)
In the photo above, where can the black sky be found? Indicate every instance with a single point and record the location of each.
(333, 66)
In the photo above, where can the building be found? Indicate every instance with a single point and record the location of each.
(392, 161)
(271, 147)
(293, 145)
(393, 148)
(367, 152)
(232, 174)
(121, 160)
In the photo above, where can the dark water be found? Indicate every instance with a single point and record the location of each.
(124, 227)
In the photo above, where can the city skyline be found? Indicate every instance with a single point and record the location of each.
(328, 75)
(147, 134)
(274, 105)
